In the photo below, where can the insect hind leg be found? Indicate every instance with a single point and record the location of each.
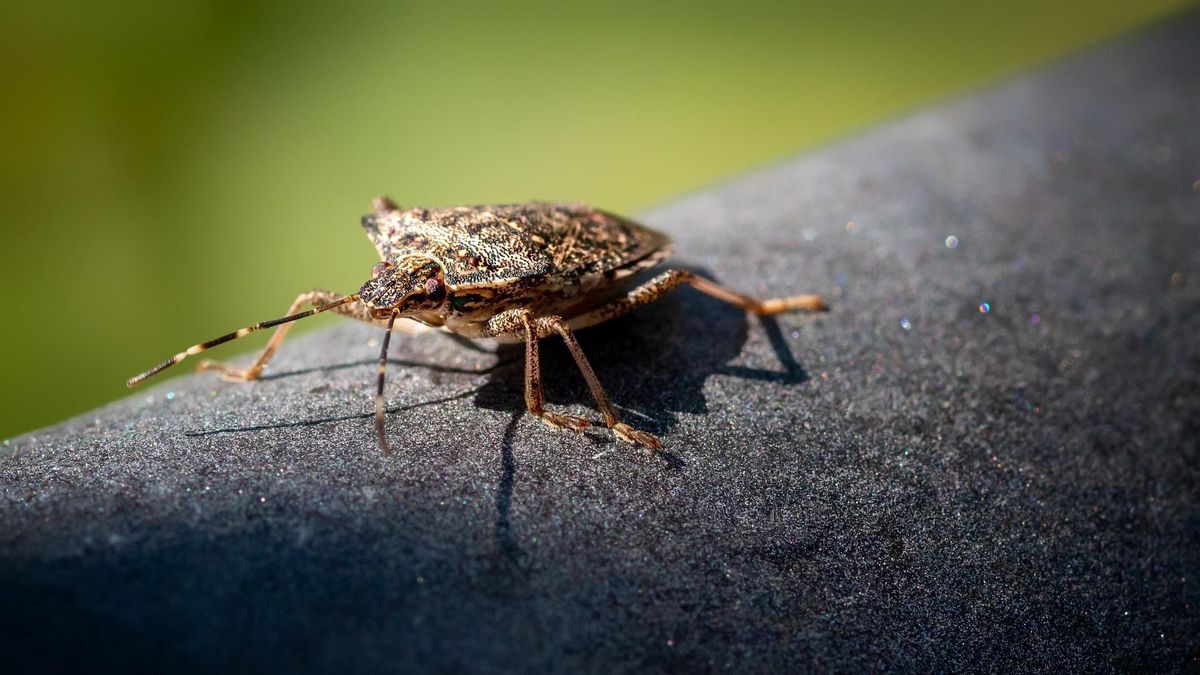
(671, 279)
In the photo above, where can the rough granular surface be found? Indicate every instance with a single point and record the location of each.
(983, 458)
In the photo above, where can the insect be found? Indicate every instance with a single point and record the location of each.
(515, 273)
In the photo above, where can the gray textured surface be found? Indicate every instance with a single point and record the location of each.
(974, 491)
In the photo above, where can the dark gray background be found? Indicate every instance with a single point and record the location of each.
(903, 483)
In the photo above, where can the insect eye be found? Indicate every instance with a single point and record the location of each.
(379, 268)
(434, 288)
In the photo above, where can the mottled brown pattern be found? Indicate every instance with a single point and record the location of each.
(503, 243)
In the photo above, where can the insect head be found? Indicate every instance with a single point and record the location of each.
(404, 287)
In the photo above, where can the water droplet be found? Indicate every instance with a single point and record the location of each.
(984, 308)
(170, 396)
(952, 242)
(905, 324)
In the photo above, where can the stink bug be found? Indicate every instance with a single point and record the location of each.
(517, 272)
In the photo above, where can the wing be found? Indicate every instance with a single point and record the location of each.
(500, 243)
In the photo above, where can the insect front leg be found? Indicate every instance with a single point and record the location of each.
(354, 310)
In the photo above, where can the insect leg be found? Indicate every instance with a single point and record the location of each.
(621, 429)
(754, 305)
(671, 279)
(521, 322)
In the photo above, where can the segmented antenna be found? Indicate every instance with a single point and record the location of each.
(241, 332)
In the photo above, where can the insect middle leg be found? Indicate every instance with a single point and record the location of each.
(671, 279)
(315, 297)
(522, 322)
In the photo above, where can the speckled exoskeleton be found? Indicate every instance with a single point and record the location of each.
(518, 272)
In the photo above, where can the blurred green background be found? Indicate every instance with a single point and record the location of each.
(173, 170)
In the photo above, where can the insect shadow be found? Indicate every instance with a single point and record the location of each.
(397, 363)
(654, 363)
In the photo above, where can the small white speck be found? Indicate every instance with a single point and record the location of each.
(905, 324)
(262, 500)
(952, 242)
(170, 396)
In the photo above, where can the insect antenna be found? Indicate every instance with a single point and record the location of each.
(241, 332)
(387, 336)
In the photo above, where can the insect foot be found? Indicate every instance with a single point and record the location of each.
(556, 421)
(229, 373)
(631, 435)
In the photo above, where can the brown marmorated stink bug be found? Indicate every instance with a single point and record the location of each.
(514, 273)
